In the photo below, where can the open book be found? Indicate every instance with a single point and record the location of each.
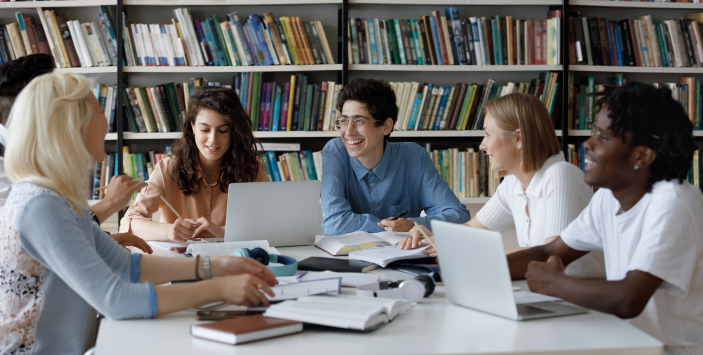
(343, 244)
(382, 256)
(227, 248)
(349, 312)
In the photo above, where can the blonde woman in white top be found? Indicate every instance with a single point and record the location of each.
(542, 194)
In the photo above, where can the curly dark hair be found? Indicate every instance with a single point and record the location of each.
(16, 74)
(240, 162)
(654, 120)
(377, 95)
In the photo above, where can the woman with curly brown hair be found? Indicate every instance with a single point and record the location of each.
(217, 148)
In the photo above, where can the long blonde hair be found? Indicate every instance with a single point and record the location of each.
(527, 113)
(46, 145)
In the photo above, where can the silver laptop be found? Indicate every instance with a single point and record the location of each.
(285, 213)
(476, 275)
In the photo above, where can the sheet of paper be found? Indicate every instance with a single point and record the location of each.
(168, 245)
(349, 279)
(393, 238)
(228, 248)
(531, 297)
(357, 238)
(385, 256)
(306, 288)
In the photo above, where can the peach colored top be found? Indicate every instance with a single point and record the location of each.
(210, 202)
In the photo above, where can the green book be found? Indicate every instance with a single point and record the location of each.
(308, 107)
(218, 30)
(662, 46)
(394, 42)
(255, 93)
(133, 166)
(554, 95)
(399, 40)
(355, 41)
(232, 44)
(464, 107)
(129, 111)
(172, 98)
(147, 105)
(583, 109)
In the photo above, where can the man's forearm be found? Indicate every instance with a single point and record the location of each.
(518, 261)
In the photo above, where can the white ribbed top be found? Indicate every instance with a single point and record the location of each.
(556, 196)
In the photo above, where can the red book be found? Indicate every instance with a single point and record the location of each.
(538, 42)
(41, 39)
(68, 41)
(406, 43)
(285, 105)
(543, 24)
(245, 329)
(488, 30)
(572, 42)
(440, 37)
(530, 42)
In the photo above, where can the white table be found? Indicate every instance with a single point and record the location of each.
(434, 326)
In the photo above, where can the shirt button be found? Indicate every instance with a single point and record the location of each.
(207, 212)
(371, 184)
(208, 188)
(374, 210)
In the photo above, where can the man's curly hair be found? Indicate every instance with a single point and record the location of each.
(654, 120)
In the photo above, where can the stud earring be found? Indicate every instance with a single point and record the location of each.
(636, 167)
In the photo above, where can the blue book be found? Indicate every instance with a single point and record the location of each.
(372, 42)
(612, 49)
(203, 44)
(245, 90)
(219, 46)
(310, 164)
(477, 40)
(265, 160)
(437, 47)
(234, 21)
(414, 113)
(211, 43)
(97, 92)
(618, 45)
(238, 85)
(256, 54)
(277, 109)
(457, 38)
(301, 109)
(274, 166)
(442, 106)
(258, 32)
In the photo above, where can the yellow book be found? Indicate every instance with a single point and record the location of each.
(125, 160)
(183, 42)
(291, 40)
(55, 24)
(289, 122)
(468, 109)
(186, 94)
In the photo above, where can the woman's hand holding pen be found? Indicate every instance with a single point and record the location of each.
(414, 241)
(181, 230)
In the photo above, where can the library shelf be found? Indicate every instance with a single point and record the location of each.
(454, 68)
(93, 70)
(111, 137)
(636, 5)
(53, 4)
(228, 2)
(617, 69)
(458, 2)
(233, 69)
(321, 134)
(579, 133)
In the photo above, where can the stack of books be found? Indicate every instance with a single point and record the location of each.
(468, 173)
(302, 166)
(71, 43)
(260, 40)
(107, 96)
(582, 115)
(447, 39)
(637, 42)
(460, 107)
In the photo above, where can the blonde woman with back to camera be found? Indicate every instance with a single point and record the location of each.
(59, 269)
(543, 192)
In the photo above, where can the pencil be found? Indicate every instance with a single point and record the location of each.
(171, 207)
(425, 235)
(105, 187)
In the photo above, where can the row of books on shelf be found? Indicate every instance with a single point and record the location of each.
(139, 165)
(71, 43)
(447, 39)
(107, 96)
(460, 107)
(468, 172)
(296, 166)
(260, 40)
(582, 115)
(636, 42)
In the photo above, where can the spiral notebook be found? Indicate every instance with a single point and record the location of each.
(383, 256)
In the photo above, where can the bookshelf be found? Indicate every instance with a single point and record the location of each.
(614, 69)
(455, 68)
(236, 69)
(636, 5)
(57, 4)
(227, 2)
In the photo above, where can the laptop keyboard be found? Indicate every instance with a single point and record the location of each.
(525, 310)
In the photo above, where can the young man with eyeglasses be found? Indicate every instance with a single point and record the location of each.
(367, 182)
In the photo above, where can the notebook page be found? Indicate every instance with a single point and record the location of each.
(228, 248)
(392, 238)
(343, 244)
(387, 255)
(391, 307)
(352, 311)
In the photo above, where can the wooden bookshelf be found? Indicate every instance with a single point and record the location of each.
(617, 69)
(455, 68)
(226, 2)
(54, 4)
(637, 5)
(94, 70)
(234, 69)
(458, 2)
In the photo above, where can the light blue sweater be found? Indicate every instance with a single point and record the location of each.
(85, 271)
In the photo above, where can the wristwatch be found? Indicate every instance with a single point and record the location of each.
(206, 267)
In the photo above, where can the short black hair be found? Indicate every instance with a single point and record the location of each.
(654, 120)
(16, 74)
(377, 95)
